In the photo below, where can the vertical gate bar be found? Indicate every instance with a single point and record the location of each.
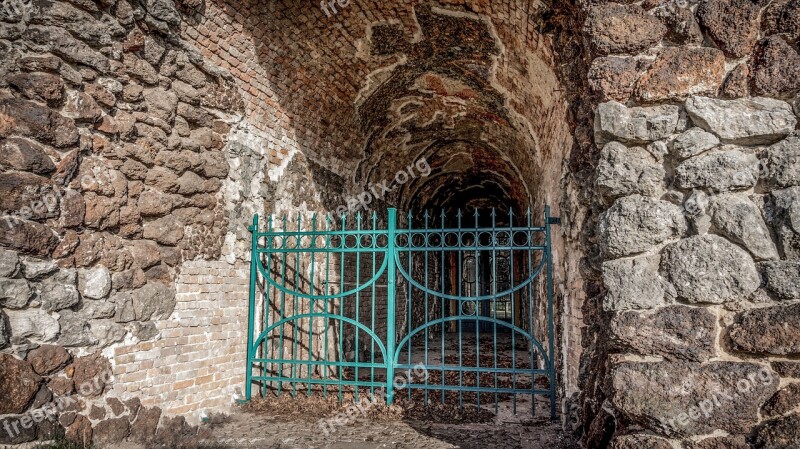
(295, 356)
(265, 342)
(357, 299)
(460, 303)
(408, 297)
(391, 284)
(529, 234)
(312, 301)
(494, 302)
(283, 306)
(426, 304)
(478, 292)
(268, 244)
(252, 305)
(342, 237)
(550, 324)
(326, 305)
(513, 308)
(442, 267)
(372, 306)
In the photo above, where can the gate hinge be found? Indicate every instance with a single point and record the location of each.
(554, 220)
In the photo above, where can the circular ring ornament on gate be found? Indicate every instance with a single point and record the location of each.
(469, 308)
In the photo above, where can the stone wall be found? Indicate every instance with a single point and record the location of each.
(692, 338)
(126, 186)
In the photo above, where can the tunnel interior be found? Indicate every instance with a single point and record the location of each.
(440, 110)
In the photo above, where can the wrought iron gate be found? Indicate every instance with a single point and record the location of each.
(451, 309)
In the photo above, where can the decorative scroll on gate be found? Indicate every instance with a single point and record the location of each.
(347, 307)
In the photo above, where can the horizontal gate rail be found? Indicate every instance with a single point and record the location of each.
(354, 305)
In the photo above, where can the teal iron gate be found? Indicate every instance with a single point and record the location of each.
(451, 309)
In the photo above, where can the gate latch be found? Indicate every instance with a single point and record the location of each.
(554, 220)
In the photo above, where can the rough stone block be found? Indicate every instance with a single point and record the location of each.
(784, 401)
(615, 28)
(633, 283)
(625, 171)
(784, 216)
(725, 170)
(692, 142)
(739, 219)
(9, 263)
(94, 283)
(781, 164)
(47, 359)
(748, 121)
(771, 330)
(731, 24)
(59, 291)
(614, 121)
(75, 331)
(774, 69)
(687, 398)
(709, 269)
(727, 442)
(673, 332)
(20, 384)
(680, 72)
(25, 155)
(15, 293)
(635, 224)
(613, 77)
(787, 369)
(778, 433)
(33, 323)
(783, 278)
(637, 441)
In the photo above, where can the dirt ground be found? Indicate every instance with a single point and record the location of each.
(316, 418)
(316, 423)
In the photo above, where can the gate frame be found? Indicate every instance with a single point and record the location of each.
(392, 348)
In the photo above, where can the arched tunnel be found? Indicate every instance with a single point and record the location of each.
(422, 107)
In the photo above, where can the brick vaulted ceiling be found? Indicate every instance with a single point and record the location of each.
(375, 86)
